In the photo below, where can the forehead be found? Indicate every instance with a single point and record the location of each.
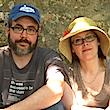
(25, 20)
(82, 34)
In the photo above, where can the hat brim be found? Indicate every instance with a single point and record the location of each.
(64, 45)
(21, 14)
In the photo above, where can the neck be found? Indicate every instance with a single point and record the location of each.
(21, 61)
(91, 66)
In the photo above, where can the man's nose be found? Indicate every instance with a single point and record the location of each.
(24, 33)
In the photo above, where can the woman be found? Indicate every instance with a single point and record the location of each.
(86, 47)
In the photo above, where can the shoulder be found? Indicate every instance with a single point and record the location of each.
(69, 67)
(40, 49)
(69, 70)
(47, 52)
(4, 50)
(72, 71)
(107, 64)
(108, 61)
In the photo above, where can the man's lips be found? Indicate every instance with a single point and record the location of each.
(23, 41)
(23, 44)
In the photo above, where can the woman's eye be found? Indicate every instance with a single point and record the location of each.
(89, 37)
(77, 40)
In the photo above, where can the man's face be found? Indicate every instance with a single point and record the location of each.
(23, 42)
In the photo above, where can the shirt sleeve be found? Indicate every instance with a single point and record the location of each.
(54, 67)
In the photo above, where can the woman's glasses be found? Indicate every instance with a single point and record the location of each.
(79, 41)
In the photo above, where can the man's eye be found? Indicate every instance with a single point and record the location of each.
(31, 29)
(18, 28)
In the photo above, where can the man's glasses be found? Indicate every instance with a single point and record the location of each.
(19, 29)
(79, 41)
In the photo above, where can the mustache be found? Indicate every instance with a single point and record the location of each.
(23, 40)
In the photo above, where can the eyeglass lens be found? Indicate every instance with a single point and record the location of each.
(79, 41)
(19, 29)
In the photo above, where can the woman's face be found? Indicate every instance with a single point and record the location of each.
(85, 45)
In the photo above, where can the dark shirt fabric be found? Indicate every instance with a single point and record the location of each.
(17, 84)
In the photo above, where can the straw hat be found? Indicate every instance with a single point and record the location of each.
(79, 25)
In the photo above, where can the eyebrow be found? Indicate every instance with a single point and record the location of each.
(23, 27)
(18, 25)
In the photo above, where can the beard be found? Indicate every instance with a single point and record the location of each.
(19, 51)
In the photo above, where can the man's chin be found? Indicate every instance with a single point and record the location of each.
(22, 51)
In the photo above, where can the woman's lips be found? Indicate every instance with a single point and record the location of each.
(86, 50)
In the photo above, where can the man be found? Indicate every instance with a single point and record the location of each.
(31, 77)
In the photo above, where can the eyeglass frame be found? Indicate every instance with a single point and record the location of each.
(13, 27)
(85, 40)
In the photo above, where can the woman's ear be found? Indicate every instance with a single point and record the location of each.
(98, 43)
(7, 31)
(72, 50)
